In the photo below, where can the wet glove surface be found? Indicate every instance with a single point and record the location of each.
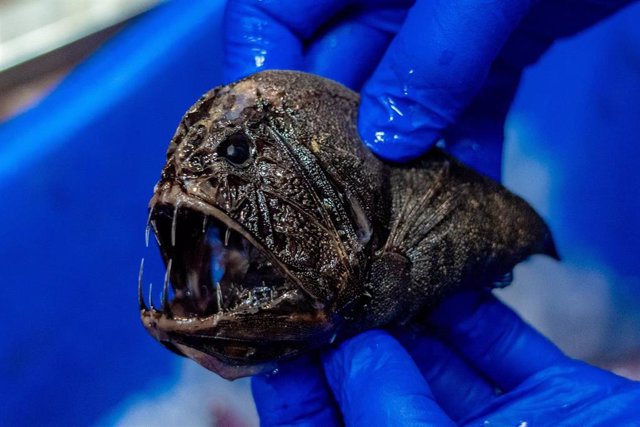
(481, 366)
(426, 69)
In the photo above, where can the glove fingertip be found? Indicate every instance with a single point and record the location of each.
(375, 381)
(294, 394)
(388, 131)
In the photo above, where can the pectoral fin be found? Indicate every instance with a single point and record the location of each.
(458, 227)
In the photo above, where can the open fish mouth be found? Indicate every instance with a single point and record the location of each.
(212, 268)
(222, 289)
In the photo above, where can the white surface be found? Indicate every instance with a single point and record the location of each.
(573, 302)
(30, 28)
(198, 399)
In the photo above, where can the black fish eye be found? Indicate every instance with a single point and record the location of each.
(236, 149)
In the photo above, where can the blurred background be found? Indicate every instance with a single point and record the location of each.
(90, 94)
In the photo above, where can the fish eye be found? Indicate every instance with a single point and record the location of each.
(236, 149)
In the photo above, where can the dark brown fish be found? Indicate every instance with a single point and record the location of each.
(282, 232)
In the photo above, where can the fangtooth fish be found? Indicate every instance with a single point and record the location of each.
(282, 233)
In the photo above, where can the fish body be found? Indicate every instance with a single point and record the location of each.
(282, 233)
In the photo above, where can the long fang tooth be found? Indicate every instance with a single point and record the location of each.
(155, 233)
(204, 224)
(174, 224)
(151, 307)
(148, 228)
(141, 303)
(227, 234)
(165, 307)
(219, 296)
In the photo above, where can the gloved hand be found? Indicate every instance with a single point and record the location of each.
(482, 366)
(422, 68)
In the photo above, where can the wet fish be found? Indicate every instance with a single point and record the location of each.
(282, 233)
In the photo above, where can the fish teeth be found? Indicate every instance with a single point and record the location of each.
(148, 228)
(227, 235)
(146, 235)
(141, 303)
(174, 224)
(151, 307)
(164, 305)
(219, 297)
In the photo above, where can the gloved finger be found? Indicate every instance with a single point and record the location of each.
(296, 395)
(579, 395)
(270, 34)
(493, 339)
(375, 382)
(347, 52)
(458, 388)
(431, 72)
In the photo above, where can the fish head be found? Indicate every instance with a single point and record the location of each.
(265, 214)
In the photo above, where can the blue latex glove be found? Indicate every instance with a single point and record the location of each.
(482, 366)
(423, 68)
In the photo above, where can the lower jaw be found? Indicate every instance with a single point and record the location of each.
(234, 346)
(225, 370)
